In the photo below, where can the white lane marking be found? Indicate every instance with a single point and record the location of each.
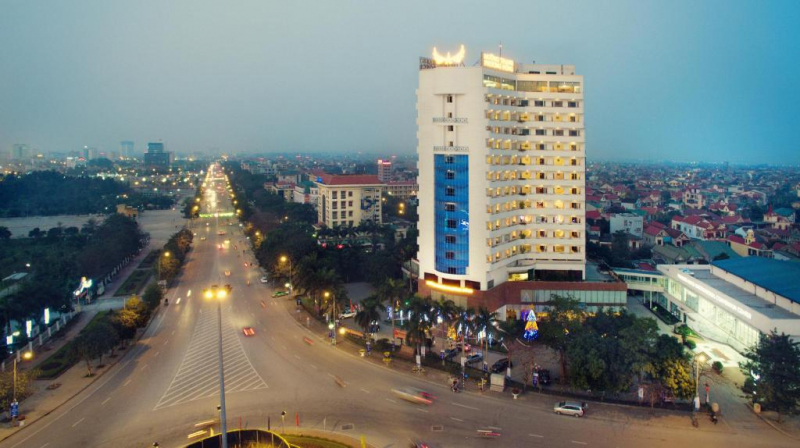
(273, 338)
(156, 354)
(465, 406)
(421, 410)
(535, 435)
(283, 347)
(78, 422)
(126, 383)
(315, 367)
(105, 401)
(495, 428)
(48, 443)
(296, 356)
(578, 443)
(390, 401)
(173, 332)
(456, 419)
(144, 366)
(365, 391)
(252, 315)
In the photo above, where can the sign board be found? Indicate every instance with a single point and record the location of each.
(14, 409)
(489, 60)
(498, 382)
(400, 334)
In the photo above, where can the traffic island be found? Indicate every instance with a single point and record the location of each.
(302, 438)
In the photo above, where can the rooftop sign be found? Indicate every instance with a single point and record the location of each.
(489, 60)
(449, 59)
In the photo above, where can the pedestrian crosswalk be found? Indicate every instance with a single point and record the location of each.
(198, 374)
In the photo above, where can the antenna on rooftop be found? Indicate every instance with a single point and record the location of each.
(501, 49)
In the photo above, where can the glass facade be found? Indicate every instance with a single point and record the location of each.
(715, 319)
(451, 199)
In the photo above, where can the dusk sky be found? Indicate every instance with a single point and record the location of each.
(664, 80)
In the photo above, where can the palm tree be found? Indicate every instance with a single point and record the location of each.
(420, 321)
(485, 322)
(465, 322)
(390, 292)
(369, 312)
(446, 310)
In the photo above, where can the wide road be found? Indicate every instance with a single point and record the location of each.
(168, 382)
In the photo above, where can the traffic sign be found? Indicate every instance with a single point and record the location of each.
(14, 409)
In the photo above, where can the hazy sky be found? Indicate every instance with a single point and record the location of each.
(695, 80)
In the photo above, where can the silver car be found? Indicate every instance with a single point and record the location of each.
(569, 408)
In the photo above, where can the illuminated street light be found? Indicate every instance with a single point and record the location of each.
(220, 294)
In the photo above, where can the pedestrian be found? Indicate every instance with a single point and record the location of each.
(708, 390)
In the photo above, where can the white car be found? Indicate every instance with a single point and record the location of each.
(264, 279)
(570, 408)
(347, 314)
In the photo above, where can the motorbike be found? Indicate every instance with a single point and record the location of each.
(714, 417)
(166, 302)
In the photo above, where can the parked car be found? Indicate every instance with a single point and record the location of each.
(501, 365)
(227, 273)
(570, 408)
(475, 357)
(280, 293)
(347, 314)
(264, 279)
(449, 354)
(544, 377)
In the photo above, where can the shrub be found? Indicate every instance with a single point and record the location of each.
(718, 367)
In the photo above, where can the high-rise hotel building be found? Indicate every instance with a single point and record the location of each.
(501, 174)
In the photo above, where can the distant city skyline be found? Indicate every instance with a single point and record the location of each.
(714, 85)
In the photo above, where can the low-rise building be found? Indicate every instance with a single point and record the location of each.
(736, 300)
(402, 189)
(627, 222)
(348, 200)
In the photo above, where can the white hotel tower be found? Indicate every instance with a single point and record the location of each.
(501, 173)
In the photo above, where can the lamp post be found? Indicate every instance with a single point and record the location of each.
(166, 255)
(219, 295)
(332, 325)
(26, 356)
(285, 259)
(699, 359)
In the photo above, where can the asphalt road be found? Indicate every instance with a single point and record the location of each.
(168, 383)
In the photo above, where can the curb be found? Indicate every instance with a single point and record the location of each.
(773, 425)
(28, 424)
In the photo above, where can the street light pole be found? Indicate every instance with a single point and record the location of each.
(219, 295)
(223, 421)
(697, 360)
(285, 259)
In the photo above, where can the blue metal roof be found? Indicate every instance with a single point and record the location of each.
(780, 277)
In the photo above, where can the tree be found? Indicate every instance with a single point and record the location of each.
(5, 234)
(419, 321)
(390, 292)
(25, 379)
(86, 348)
(105, 337)
(485, 322)
(774, 365)
(368, 313)
(152, 295)
(562, 324)
(36, 233)
(126, 321)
